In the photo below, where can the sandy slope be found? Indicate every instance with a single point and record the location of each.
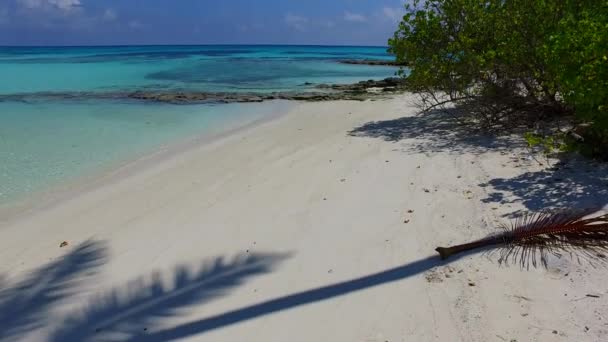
(313, 208)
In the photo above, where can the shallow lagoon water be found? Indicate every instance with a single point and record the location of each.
(202, 68)
(44, 143)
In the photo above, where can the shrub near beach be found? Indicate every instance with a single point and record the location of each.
(512, 63)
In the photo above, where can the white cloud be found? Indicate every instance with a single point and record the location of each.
(62, 14)
(30, 3)
(295, 21)
(392, 14)
(63, 5)
(354, 17)
(109, 15)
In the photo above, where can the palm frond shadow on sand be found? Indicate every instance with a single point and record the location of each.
(298, 299)
(26, 306)
(127, 312)
(138, 311)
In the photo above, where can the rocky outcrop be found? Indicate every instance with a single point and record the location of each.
(330, 92)
(324, 92)
(391, 83)
(195, 97)
(371, 62)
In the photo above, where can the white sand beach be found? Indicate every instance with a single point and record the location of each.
(296, 230)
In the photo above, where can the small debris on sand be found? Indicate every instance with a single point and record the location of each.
(63, 244)
(433, 277)
(523, 298)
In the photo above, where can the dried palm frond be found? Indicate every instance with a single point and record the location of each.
(534, 236)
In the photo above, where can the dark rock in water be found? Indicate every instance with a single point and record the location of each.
(358, 91)
(205, 97)
(371, 62)
(364, 90)
(394, 83)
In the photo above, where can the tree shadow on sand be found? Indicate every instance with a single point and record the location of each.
(570, 184)
(26, 306)
(435, 131)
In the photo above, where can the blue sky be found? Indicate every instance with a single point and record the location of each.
(108, 22)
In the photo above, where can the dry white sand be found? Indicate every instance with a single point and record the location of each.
(338, 229)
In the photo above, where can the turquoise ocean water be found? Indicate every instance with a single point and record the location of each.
(44, 142)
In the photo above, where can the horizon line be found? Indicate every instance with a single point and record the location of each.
(167, 45)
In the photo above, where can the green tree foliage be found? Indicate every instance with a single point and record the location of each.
(510, 62)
